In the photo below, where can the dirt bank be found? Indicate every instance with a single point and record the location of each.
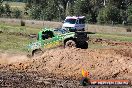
(101, 63)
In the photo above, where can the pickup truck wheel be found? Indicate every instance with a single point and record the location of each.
(37, 52)
(70, 43)
(85, 45)
(82, 45)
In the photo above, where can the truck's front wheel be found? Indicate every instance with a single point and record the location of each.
(70, 43)
(37, 52)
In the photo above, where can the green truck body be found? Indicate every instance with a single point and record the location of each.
(49, 38)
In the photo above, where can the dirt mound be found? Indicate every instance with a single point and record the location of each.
(101, 63)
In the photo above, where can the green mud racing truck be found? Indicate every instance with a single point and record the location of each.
(50, 38)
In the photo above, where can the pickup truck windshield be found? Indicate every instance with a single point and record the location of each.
(61, 31)
(71, 21)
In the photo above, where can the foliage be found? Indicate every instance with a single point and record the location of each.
(109, 14)
(102, 18)
(129, 10)
(17, 13)
(1, 10)
(35, 12)
(102, 11)
(7, 9)
(130, 19)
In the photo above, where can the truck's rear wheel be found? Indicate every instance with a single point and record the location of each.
(70, 43)
(37, 52)
(82, 45)
(85, 45)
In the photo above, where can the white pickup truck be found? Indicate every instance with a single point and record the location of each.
(74, 23)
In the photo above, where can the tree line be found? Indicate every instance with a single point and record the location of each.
(96, 11)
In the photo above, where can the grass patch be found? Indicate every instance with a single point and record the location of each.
(13, 42)
(19, 5)
(26, 30)
(113, 37)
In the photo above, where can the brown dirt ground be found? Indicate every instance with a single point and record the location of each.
(112, 63)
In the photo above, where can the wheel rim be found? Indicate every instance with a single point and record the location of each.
(37, 53)
(70, 44)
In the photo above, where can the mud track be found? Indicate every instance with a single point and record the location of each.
(62, 67)
(108, 42)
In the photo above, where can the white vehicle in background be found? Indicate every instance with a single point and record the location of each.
(74, 23)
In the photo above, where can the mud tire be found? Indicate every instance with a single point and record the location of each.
(85, 45)
(69, 44)
(37, 52)
(82, 45)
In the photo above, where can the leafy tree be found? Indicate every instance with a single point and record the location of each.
(1, 8)
(103, 11)
(109, 14)
(90, 7)
(52, 10)
(17, 13)
(35, 12)
(102, 16)
(64, 4)
(129, 10)
(7, 9)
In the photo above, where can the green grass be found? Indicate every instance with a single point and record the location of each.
(18, 5)
(13, 42)
(27, 30)
(114, 37)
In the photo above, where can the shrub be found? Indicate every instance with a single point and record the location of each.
(22, 23)
(102, 17)
(129, 19)
(88, 18)
(17, 13)
(109, 14)
(128, 30)
(7, 9)
(129, 10)
(2, 10)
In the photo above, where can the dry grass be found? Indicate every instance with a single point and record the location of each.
(106, 29)
(51, 24)
(31, 23)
